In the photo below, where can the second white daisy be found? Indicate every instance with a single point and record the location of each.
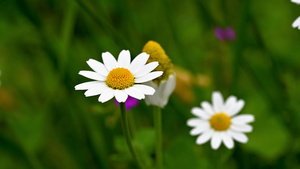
(219, 122)
(119, 78)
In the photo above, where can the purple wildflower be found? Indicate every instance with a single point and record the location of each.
(220, 33)
(129, 103)
(225, 34)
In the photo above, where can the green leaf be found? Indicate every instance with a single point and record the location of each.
(269, 136)
(182, 154)
(143, 143)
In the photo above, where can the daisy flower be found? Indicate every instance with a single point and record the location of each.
(165, 84)
(119, 78)
(220, 122)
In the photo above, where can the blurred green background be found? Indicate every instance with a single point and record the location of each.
(46, 124)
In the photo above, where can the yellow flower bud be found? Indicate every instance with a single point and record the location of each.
(158, 54)
(165, 84)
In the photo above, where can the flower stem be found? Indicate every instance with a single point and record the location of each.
(125, 127)
(158, 133)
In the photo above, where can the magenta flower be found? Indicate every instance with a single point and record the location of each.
(129, 103)
(225, 34)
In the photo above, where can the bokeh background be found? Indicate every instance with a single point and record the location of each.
(46, 124)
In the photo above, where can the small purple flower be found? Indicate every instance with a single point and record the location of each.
(225, 34)
(129, 103)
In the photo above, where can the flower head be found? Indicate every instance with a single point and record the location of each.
(219, 122)
(129, 103)
(225, 34)
(119, 78)
(165, 84)
(158, 54)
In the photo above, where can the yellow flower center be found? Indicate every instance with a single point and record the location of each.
(220, 121)
(158, 54)
(119, 78)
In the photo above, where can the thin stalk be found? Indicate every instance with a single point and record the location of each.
(218, 162)
(125, 127)
(158, 136)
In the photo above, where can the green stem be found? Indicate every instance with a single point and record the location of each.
(158, 132)
(127, 135)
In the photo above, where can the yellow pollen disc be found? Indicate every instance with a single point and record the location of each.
(220, 121)
(158, 54)
(119, 78)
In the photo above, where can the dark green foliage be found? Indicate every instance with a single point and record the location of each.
(46, 124)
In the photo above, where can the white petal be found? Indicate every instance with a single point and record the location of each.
(96, 90)
(296, 1)
(216, 140)
(138, 62)
(147, 90)
(207, 108)
(230, 103)
(109, 61)
(241, 128)
(146, 69)
(106, 95)
(121, 95)
(296, 23)
(97, 67)
(92, 75)
(227, 139)
(152, 99)
(204, 137)
(165, 88)
(194, 122)
(217, 101)
(237, 108)
(124, 59)
(243, 119)
(200, 129)
(200, 113)
(87, 85)
(148, 77)
(134, 92)
(240, 137)
(162, 92)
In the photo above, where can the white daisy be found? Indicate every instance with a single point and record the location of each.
(219, 122)
(119, 78)
(165, 84)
